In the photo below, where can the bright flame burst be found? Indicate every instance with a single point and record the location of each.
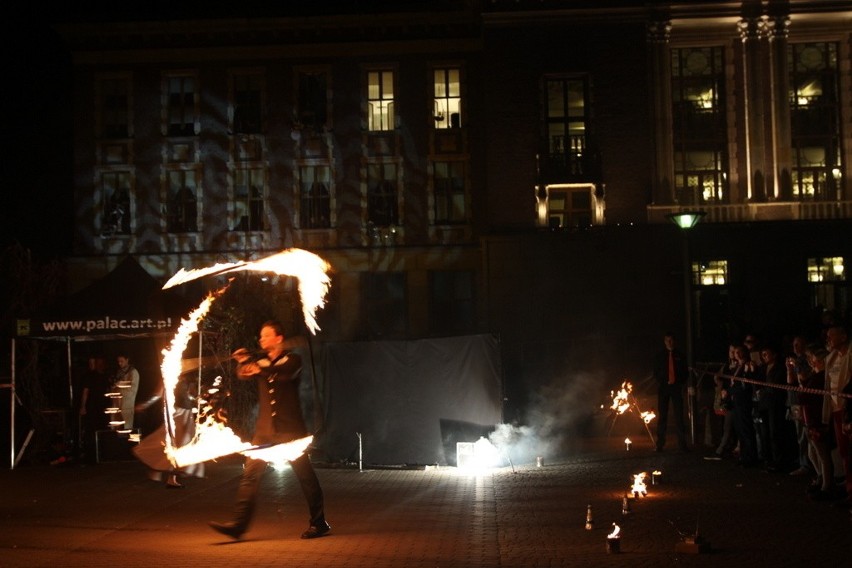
(310, 269)
(647, 416)
(639, 487)
(213, 438)
(621, 399)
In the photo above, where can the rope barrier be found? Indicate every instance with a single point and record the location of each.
(792, 388)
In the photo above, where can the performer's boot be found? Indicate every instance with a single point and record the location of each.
(235, 528)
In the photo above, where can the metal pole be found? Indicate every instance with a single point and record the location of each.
(12, 410)
(687, 295)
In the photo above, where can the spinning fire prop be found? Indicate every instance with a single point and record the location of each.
(624, 401)
(213, 438)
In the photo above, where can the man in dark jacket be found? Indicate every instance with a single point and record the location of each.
(671, 373)
(279, 420)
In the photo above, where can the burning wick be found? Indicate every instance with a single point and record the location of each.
(627, 443)
(613, 540)
(655, 476)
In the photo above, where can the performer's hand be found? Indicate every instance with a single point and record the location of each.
(241, 355)
(249, 369)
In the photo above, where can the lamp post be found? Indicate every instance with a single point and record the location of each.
(686, 220)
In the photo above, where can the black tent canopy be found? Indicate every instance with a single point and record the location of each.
(126, 303)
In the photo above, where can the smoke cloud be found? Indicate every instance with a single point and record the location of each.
(553, 422)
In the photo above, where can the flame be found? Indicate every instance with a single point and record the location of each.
(620, 399)
(310, 269)
(647, 416)
(280, 452)
(616, 531)
(627, 442)
(213, 438)
(639, 487)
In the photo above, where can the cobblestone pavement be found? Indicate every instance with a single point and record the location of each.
(523, 516)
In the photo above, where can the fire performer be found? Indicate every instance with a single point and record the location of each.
(671, 372)
(276, 372)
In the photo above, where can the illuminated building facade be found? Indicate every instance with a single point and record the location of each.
(500, 166)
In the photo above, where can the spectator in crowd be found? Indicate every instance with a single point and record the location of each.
(740, 393)
(819, 436)
(838, 371)
(798, 370)
(775, 439)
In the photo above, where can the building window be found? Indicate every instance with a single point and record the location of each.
(829, 287)
(710, 273)
(566, 126)
(449, 192)
(385, 304)
(380, 102)
(115, 192)
(312, 99)
(815, 120)
(114, 105)
(247, 102)
(826, 269)
(314, 197)
(182, 202)
(249, 199)
(699, 137)
(447, 105)
(451, 301)
(382, 194)
(570, 206)
(181, 105)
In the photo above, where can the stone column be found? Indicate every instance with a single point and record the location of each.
(752, 30)
(781, 187)
(659, 32)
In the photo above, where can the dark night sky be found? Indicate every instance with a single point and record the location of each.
(39, 151)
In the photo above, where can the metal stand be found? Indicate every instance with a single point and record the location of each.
(634, 406)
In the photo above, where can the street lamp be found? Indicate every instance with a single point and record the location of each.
(687, 220)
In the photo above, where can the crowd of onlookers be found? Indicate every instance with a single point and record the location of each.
(788, 410)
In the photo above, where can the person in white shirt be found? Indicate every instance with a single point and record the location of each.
(838, 370)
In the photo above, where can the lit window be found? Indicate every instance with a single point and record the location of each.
(569, 206)
(447, 111)
(181, 105)
(380, 103)
(182, 204)
(567, 117)
(449, 192)
(699, 128)
(826, 269)
(314, 197)
(815, 120)
(710, 273)
(249, 199)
